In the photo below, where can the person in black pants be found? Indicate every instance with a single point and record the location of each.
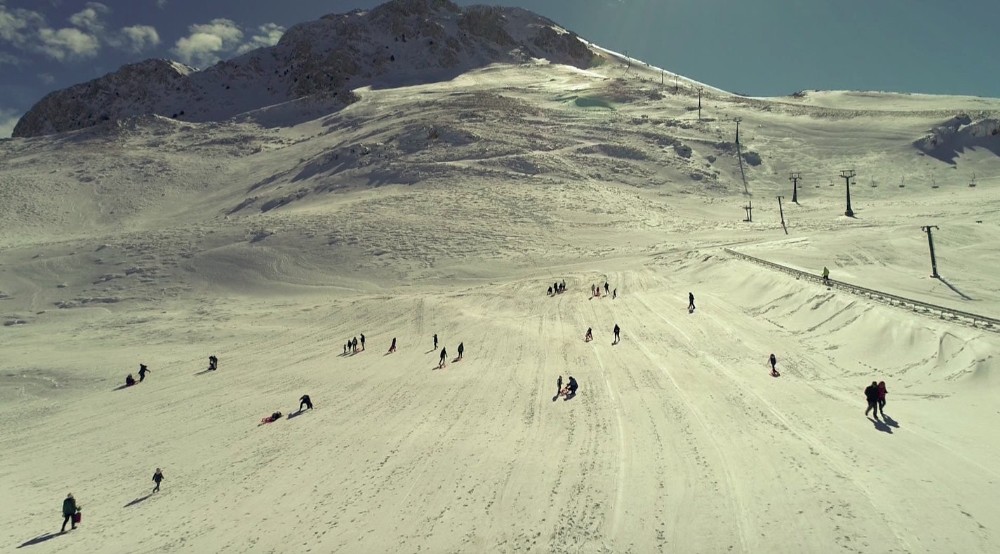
(461, 350)
(143, 370)
(444, 355)
(69, 509)
(690, 301)
(362, 341)
(305, 401)
(618, 331)
(157, 477)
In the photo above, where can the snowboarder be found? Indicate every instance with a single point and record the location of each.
(213, 363)
(305, 403)
(143, 370)
(871, 395)
(69, 511)
(461, 349)
(618, 331)
(392, 347)
(435, 341)
(774, 362)
(559, 390)
(157, 477)
(129, 380)
(444, 354)
(589, 336)
(362, 342)
(571, 387)
(690, 302)
(881, 397)
(826, 275)
(606, 288)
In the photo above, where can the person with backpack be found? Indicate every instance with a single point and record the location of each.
(143, 370)
(157, 477)
(871, 395)
(69, 511)
(881, 397)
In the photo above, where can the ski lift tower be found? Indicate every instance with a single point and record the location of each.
(848, 174)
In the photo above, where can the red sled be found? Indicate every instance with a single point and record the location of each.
(77, 517)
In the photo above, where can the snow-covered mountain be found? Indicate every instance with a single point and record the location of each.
(402, 41)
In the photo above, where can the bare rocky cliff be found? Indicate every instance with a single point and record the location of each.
(400, 42)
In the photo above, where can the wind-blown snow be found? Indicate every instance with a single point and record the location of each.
(448, 207)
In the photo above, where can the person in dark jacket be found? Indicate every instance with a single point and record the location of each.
(571, 387)
(774, 363)
(129, 380)
(306, 402)
(559, 389)
(589, 335)
(143, 370)
(213, 362)
(362, 342)
(444, 355)
(392, 347)
(69, 509)
(607, 288)
(871, 395)
(690, 302)
(618, 331)
(157, 477)
(461, 350)
(435, 341)
(881, 397)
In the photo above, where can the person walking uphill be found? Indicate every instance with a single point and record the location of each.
(881, 397)
(69, 510)
(871, 395)
(143, 370)
(157, 477)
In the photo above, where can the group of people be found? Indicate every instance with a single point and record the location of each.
(442, 363)
(557, 288)
(595, 290)
(352, 345)
(875, 395)
(566, 392)
(143, 370)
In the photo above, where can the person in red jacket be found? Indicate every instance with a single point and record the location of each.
(881, 397)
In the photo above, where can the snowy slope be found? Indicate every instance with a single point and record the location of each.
(448, 207)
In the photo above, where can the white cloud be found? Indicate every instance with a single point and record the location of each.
(47, 78)
(67, 43)
(139, 37)
(90, 17)
(9, 59)
(8, 119)
(161, 4)
(206, 43)
(16, 24)
(267, 35)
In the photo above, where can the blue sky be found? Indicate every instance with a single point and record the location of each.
(760, 47)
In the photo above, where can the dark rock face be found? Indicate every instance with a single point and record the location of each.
(400, 42)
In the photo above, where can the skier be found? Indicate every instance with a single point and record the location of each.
(143, 370)
(589, 336)
(362, 342)
(444, 354)
(129, 380)
(774, 362)
(690, 302)
(69, 510)
(871, 395)
(392, 347)
(461, 349)
(306, 402)
(157, 477)
(826, 275)
(213, 362)
(571, 387)
(606, 288)
(435, 341)
(881, 397)
(618, 331)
